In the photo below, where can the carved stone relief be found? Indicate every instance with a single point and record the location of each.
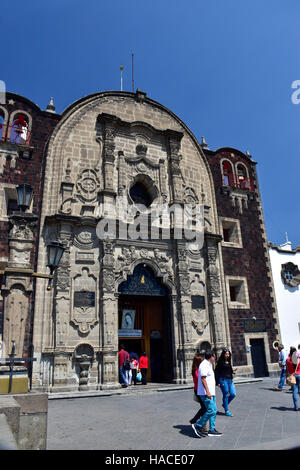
(62, 310)
(85, 237)
(199, 313)
(87, 186)
(15, 315)
(84, 310)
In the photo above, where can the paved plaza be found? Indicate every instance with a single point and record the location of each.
(263, 419)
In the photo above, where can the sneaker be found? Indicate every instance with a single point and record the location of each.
(279, 389)
(196, 430)
(228, 413)
(203, 431)
(214, 433)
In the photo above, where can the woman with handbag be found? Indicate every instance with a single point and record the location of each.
(291, 378)
(198, 358)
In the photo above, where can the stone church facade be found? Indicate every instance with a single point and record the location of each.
(179, 297)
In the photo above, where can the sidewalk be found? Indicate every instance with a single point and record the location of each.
(149, 388)
(264, 419)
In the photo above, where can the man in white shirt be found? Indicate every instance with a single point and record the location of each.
(207, 392)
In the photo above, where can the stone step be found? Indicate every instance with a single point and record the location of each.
(136, 389)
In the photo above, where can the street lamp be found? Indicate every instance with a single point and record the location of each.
(24, 195)
(55, 252)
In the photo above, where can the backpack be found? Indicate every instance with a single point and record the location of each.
(126, 364)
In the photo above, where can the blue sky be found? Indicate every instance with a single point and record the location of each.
(225, 67)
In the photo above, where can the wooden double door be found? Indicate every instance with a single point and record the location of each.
(151, 317)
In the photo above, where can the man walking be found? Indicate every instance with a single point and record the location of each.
(207, 392)
(282, 365)
(123, 355)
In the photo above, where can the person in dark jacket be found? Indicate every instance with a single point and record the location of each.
(224, 379)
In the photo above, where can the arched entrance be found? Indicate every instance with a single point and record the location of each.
(145, 323)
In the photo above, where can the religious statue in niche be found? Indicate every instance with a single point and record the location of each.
(84, 310)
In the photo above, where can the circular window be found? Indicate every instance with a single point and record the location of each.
(288, 275)
(140, 194)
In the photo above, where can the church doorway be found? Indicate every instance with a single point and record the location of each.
(145, 324)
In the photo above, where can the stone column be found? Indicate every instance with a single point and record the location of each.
(185, 311)
(215, 304)
(109, 353)
(18, 286)
(62, 360)
(108, 192)
(175, 316)
(174, 164)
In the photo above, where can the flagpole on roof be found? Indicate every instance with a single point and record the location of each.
(121, 69)
(132, 69)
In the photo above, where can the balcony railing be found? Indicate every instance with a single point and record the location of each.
(15, 134)
(240, 182)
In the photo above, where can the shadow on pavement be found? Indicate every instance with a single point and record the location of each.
(186, 430)
(282, 408)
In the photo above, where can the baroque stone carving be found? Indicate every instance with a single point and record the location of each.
(127, 256)
(85, 237)
(84, 356)
(87, 186)
(84, 311)
(62, 305)
(63, 278)
(15, 314)
(22, 229)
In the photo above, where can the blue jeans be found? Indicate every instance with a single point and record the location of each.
(228, 390)
(282, 377)
(122, 376)
(296, 391)
(210, 414)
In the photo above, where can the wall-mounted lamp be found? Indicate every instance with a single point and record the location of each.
(24, 195)
(55, 252)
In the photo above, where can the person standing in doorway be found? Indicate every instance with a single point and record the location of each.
(207, 392)
(143, 366)
(122, 356)
(282, 365)
(224, 379)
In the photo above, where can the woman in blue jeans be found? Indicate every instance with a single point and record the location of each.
(224, 379)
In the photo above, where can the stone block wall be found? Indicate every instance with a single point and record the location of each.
(23, 164)
(251, 261)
